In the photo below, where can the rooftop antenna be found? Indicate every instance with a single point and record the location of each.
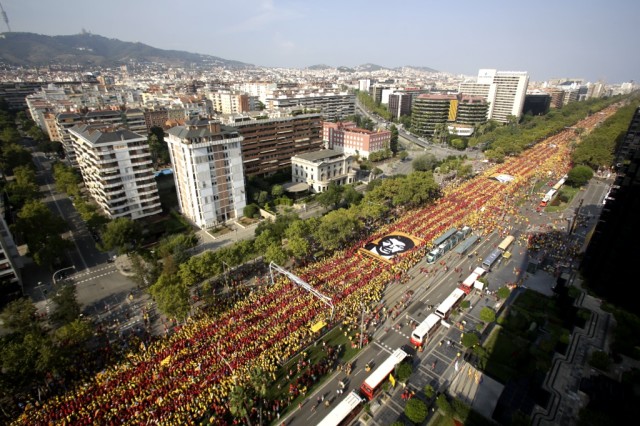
(5, 17)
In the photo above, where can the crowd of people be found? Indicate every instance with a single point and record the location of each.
(184, 377)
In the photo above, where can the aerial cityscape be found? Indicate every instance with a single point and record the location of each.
(217, 214)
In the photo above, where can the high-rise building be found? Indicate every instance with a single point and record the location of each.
(207, 169)
(346, 137)
(536, 103)
(400, 104)
(117, 170)
(269, 144)
(504, 91)
(610, 258)
(431, 110)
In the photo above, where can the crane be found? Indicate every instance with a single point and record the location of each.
(5, 17)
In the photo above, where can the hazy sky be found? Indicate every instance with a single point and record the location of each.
(592, 39)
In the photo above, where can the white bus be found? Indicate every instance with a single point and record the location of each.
(344, 412)
(468, 284)
(372, 383)
(425, 330)
(445, 308)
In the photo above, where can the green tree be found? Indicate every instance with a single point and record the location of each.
(487, 314)
(415, 410)
(275, 254)
(250, 210)
(403, 371)
(158, 147)
(262, 198)
(351, 196)
(331, 197)
(579, 175)
(23, 188)
(425, 162)
(42, 230)
(337, 228)
(240, 402)
(503, 292)
(122, 235)
(67, 307)
(393, 143)
(19, 316)
(13, 155)
(66, 179)
(170, 294)
(429, 391)
(444, 406)
(470, 339)
(277, 191)
(459, 143)
(75, 334)
(403, 155)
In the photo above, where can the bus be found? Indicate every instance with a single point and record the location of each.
(559, 184)
(425, 330)
(468, 284)
(490, 260)
(344, 412)
(504, 245)
(372, 383)
(446, 242)
(548, 197)
(445, 308)
(467, 244)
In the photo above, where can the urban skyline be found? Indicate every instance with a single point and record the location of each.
(589, 40)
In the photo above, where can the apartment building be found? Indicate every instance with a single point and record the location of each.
(431, 110)
(229, 103)
(318, 169)
(10, 264)
(504, 91)
(157, 118)
(269, 144)
(117, 170)
(207, 169)
(332, 106)
(347, 138)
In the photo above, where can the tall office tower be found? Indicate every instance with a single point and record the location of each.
(207, 169)
(269, 144)
(116, 169)
(400, 104)
(610, 258)
(364, 84)
(503, 90)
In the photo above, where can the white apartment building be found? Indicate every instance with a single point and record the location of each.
(318, 169)
(116, 169)
(504, 91)
(208, 172)
(10, 262)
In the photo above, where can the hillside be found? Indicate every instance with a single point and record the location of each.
(29, 49)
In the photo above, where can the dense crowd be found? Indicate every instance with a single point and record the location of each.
(185, 376)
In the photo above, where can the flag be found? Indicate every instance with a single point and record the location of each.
(392, 380)
(166, 361)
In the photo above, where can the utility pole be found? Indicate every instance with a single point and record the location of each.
(362, 324)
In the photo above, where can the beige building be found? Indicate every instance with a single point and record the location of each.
(117, 171)
(207, 169)
(318, 169)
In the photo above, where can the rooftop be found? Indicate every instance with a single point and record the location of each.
(99, 136)
(317, 156)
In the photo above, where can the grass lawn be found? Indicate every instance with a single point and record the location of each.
(566, 191)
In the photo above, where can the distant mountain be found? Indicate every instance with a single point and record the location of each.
(29, 49)
(425, 69)
(345, 69)
(370, 67)
(319, 67)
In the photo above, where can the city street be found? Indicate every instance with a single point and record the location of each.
(436, 365)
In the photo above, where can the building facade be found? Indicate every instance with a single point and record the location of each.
(319, 169)
(117, 170)
(10, 264)
(431, 110)
(208, 172)
(347, 138)
(504, 92)
(269, 144)
(332, 106)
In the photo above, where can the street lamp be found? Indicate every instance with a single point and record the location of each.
(53, 277)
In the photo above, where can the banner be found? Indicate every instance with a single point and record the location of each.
(392, 380)
(390, 246)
